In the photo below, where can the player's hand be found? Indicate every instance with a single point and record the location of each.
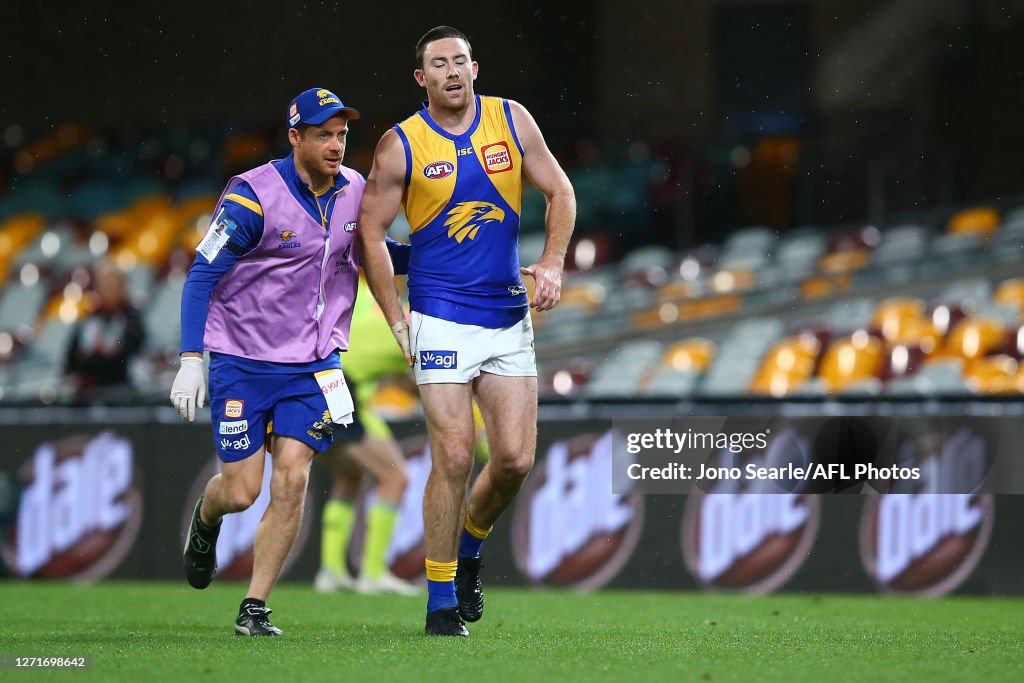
(401, 332)
(189, 389)
(548, 278)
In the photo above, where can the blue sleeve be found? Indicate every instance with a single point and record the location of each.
(204, 275)
(399, 255)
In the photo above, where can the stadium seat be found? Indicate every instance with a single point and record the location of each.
(901, 244)
(976, 220)
(894, 315)
(565, 378)
(901, 360)
(850, 315)
(777, 383)
(1011, 292)
(621, 372)
(850, 359)
(974, 338)
(992, 375)
(690, 355)
(942, 377)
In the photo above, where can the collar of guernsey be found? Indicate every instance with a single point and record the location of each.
(298, 187)
(463, 200)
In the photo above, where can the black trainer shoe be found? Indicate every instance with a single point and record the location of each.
(200, 554)
(445, 622)
(252, 621)
(468, 588)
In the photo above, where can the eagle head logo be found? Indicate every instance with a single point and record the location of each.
(466, 219)
(323, 93)
(287, 236)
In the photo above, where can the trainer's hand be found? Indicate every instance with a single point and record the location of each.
(548, 278)
(401, 332)
(189, 389)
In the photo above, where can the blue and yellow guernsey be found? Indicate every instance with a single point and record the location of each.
(463, 197)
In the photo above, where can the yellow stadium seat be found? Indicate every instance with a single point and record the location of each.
(777, 383)
(894, 315)
(851, 359)
(974, 337)
(993, 375)
(694, 354)
(1011, 292)
(977, 220)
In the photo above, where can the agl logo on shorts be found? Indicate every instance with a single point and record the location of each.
(438, 360)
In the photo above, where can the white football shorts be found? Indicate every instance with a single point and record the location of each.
(452, 353)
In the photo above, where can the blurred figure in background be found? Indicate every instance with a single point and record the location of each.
(103, 343)
(366, 446)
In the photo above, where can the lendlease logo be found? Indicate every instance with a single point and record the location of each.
(438, 360)
(234, 427)
(80, 509)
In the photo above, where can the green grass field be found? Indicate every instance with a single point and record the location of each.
(169, 632)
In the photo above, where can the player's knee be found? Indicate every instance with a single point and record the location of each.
(456, 465)
(241, 498)
(289, 484)
(397, 478)
(512, 467)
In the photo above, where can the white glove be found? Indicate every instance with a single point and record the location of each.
(401, 332)
(189, 389)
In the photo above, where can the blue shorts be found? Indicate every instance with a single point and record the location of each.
(243, 401)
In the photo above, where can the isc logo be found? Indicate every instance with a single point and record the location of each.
(438, 169)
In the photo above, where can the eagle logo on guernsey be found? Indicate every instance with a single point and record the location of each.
(466, 219)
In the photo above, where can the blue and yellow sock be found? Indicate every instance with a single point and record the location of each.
(472, 539)
(441, 585)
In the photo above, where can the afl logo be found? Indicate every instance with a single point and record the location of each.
(569, 529)
(350, 226)
(438, 169)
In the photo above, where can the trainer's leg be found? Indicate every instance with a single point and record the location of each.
(233, 489)
(280, 524)
(509, 406)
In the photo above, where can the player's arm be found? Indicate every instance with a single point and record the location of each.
(239, 220)
(382, 199)
(547, 176)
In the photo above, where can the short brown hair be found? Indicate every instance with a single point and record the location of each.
(438, 33)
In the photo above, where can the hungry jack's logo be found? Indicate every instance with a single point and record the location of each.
(466, 219)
